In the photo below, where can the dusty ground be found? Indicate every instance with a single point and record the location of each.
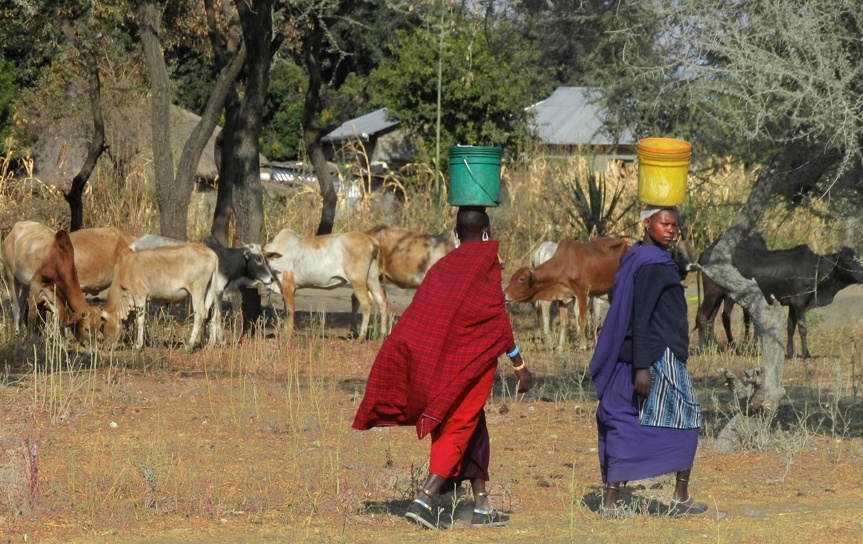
(253, 444)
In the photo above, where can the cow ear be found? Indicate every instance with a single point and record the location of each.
(270, 255)
(247, 253)
(532, 279)
(104, 315)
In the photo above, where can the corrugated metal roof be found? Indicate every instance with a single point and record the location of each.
(362, 127)
(568, 118)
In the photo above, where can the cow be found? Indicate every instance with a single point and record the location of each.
(579, 269)
(96, 252)
(405, 256)
(326, 262)
(163, 274)
(713, 296)
(151, 241)
(566, 308)
(55, 284)
(238, 267)
(796, 277)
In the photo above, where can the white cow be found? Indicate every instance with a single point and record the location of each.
(326, 262)
(164, 274)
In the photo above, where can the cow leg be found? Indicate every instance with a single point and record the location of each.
(140, 316)
(563, 318)
(198, 314)
(362, 296)
(288, 290)
(379, 296)
(543, 314)
(727, 308)
(801, 327)
(20, 296)
(791, 326)
(748, 335)
(215, 319)
(582, 319)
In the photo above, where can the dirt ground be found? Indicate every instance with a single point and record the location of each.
(252, 443)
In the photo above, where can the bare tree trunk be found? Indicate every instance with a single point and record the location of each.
(257, 24)
(97, 142)
(761, 390)
(312, 133)
(223, 46)
(172, 213)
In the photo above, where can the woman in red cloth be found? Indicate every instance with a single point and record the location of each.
(437, 368)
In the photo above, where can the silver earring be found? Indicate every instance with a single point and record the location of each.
(455, 241)
(485, 236)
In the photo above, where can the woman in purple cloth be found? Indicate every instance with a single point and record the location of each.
(648, 416)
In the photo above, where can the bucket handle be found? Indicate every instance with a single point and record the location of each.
(469, 171)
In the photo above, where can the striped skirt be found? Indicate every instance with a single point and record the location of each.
(672, 402)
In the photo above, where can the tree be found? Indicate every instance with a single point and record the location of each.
(768, 82)
(336, 40)
(484, 89)
(173, 190)
(97, 143)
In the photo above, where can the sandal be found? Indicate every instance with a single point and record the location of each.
(421, 514)
(489, 518)
(686, 508)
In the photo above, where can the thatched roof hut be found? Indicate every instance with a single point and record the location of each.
(62, 146)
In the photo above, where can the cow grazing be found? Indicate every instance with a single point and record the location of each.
(163, 274)
(96, 252)
(406, 256)
(796, 277)
(56, 285)
(326, 262)
(577, 269)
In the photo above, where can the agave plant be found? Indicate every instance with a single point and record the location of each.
(596, 207)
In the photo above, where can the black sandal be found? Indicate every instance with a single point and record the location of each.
(489, 518)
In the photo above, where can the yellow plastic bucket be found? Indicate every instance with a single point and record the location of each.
(663, 166)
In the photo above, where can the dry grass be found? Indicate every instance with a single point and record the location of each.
(252, 442)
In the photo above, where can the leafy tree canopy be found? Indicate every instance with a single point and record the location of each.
(748, 79)
(484, 90)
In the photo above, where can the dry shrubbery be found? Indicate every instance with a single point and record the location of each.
(539, 203)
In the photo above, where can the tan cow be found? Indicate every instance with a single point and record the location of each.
(579, 269)
(56, 285)
(327, 262)
(96, 252)
(164, 274)
(406, 256)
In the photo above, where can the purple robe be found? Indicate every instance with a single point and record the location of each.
(628, 450)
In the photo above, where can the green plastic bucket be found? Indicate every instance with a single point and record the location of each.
(474, 175)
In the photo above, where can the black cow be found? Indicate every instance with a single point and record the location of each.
(238, 266)
(796, 277)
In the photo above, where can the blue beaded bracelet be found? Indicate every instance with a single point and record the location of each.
(515, 351)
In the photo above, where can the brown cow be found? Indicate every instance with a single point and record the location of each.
(96, 252)
(577, 269)
(56, 285)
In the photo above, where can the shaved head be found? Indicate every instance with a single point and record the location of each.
(471, 221)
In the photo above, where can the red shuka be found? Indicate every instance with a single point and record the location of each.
(449, 336)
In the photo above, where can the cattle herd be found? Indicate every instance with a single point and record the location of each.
(48, 271)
